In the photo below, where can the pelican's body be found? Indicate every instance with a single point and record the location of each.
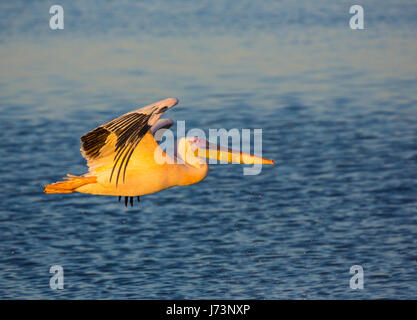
(144, 175)
(124, 158)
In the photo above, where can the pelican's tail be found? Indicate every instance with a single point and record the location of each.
(69, 185)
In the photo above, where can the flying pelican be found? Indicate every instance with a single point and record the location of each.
(121, 157)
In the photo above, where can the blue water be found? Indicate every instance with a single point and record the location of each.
(338, 110)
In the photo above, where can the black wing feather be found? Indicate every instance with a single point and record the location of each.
(94, 141)
(129, 129)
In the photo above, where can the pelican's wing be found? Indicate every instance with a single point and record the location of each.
(116, 140)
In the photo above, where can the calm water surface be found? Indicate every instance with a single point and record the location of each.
(338, 110)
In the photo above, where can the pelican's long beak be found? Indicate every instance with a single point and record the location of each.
(205, 149)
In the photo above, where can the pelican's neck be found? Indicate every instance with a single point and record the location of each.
(192, 174)
(192, 168)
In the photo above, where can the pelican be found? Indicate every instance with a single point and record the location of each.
(121, 157)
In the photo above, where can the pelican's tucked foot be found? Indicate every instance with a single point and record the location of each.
(129, 199)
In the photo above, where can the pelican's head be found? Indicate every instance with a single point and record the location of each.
(193, 149)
